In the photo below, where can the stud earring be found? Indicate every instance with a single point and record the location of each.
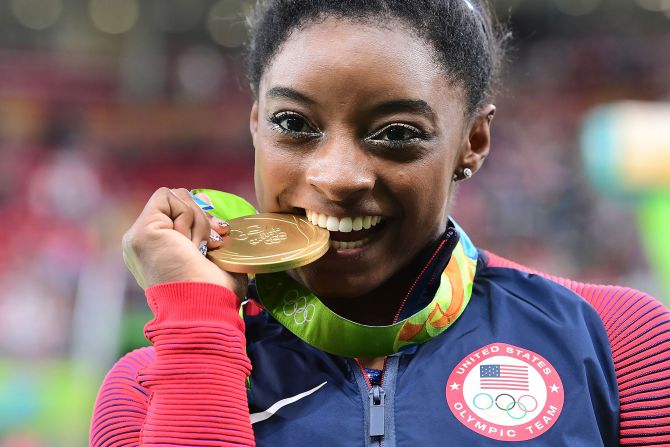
(467, 173)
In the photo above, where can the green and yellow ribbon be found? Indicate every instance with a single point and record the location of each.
(306, 316)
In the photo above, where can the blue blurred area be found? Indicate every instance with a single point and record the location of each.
(103, 101)
(626, 153)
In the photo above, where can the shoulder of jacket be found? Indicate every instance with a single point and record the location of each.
(612, 303)
(638, 328)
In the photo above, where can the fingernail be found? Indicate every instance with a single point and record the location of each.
(221, 223)
(215, 237)
(201, 203)
(203, 248)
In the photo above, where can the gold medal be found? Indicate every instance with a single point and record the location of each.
(269, 242)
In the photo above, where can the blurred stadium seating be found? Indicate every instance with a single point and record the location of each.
(103, 101)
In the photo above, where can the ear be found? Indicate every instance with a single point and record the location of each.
(253, 122)
(478, 142)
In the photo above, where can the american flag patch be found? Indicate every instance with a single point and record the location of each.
(503, 377)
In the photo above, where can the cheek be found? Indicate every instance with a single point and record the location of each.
(425, 194)
(276, 172)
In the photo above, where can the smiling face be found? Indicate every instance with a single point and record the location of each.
(358, 128)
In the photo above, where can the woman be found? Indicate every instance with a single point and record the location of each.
(366, 115)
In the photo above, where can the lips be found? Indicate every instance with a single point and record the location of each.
(346, 232)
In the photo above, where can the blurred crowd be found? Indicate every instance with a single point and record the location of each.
(88, 131)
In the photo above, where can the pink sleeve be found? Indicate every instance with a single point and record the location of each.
(189, 389)
(638, 327)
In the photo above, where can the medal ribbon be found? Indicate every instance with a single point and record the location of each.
(303, 313)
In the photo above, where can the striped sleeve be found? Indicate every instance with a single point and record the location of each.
(638, 327)
(122, 403)
(189, 388)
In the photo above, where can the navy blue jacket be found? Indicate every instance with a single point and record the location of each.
(508, 307)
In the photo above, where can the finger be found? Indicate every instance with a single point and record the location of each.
(202, 201)
(182, 215)
(200, 228)
(221, 227)
(166, 210)
(205, 198)
(215, 241)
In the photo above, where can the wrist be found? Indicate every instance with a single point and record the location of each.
(193, 302)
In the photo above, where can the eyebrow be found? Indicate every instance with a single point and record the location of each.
(386, 107)
(289, 93)
(404, 105)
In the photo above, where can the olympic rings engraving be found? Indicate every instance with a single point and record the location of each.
(296, 306)
(506, 403)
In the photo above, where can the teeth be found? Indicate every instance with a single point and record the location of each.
(342, 224)
(346, 225)
(338, 245)
(333, 223)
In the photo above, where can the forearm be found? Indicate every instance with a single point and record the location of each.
(196, 383)
(198, 379)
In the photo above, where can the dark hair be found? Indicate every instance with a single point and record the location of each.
(468, 44)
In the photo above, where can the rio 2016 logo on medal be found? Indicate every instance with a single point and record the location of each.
(505, 392)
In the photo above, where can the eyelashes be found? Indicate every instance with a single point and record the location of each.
(398, 134)
(393, 135)
(293, 124)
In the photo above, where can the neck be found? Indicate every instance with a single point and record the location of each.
(380, 306)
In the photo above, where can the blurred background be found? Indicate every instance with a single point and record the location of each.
(103, 101)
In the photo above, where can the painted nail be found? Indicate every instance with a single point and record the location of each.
(203, 248)
(201, 203)
(222, 223)
(215, 237)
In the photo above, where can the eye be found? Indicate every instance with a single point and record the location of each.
(397, 134)
(291, 122)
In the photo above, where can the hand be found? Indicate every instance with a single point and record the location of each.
(163, 243)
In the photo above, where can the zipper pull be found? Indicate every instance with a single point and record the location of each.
(376, 395)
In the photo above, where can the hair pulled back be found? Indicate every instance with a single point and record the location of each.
(467, 43)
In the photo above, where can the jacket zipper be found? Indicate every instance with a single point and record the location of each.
(376, 396)
(376, 411)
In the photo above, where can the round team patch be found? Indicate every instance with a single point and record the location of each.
(505, 393)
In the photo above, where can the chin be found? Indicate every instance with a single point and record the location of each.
(335, 285)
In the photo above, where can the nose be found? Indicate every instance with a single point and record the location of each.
(341, 171)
